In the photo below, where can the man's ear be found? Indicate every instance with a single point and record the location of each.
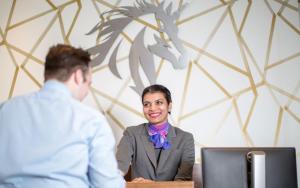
(78, 76)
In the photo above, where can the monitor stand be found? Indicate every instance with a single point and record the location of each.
(257, 168)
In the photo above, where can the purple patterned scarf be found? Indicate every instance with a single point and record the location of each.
(158, 135)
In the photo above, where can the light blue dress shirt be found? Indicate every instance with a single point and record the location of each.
(50, 140)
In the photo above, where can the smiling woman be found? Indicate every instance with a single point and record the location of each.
(156, 150)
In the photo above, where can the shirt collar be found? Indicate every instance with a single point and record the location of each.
(55, 86)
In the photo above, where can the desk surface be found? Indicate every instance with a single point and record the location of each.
(161, 184)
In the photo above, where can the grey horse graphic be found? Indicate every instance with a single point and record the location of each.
(139, 54)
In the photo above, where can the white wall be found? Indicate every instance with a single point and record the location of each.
(241, 88)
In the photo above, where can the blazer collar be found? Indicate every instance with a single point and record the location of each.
(150, 149)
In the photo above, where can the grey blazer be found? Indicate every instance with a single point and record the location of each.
(175, 163)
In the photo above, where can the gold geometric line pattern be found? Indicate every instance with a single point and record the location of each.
(285, 60)
(213, 57)
(220, 124)
(188, 19)
(245, 17)
(209, 76)
(269, 44)
(117, 102)
(279, 125)
(214, 31)
(186, 83)
(287, 5)
(245, 61)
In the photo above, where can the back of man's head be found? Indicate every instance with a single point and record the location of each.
(62, 60)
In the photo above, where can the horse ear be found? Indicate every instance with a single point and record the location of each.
(176, 14)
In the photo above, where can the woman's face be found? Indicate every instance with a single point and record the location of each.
(156, 108)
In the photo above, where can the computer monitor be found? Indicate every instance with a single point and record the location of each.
(232, 167)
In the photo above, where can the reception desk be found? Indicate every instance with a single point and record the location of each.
(161, 184)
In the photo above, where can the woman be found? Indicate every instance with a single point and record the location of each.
(156, 150)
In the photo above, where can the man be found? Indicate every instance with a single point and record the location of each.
(49, 139)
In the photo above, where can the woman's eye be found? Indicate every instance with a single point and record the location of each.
(159, 102)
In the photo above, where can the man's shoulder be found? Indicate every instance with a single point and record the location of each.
(15, 100)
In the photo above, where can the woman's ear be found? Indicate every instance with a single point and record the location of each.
(170, 108)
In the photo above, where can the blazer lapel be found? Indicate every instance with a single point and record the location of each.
(149, 148)
(165, 153)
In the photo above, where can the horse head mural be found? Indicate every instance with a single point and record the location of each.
(139, 54)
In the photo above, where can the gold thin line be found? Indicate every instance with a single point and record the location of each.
(186, 83)
(38, 15)
(160, 66)
(272, 93)
(36, 60)
(283, 5)
(198, 15)
(245, 17)
(40, 39)
(121, 60)
(248, 139)
(292, 114)
(203, 108)
(245, 61)
(242, 91)
(217, 59)
(279, 125)
(219, 102)
(126, 37)
(252, 57)
(222, 1)
(96, 7)
(74, 20)
(237, 111)
(116, 120)
(51, 4)
(269, 6)
(13, 83)
(119, 93)
(12, 57)
(117, 102)
(289, 24)
(29, 19)
(31, 77)
(240, 122)
(293, 93)
(283, 92)
(212, 34)
(220, 124)
(97, 102)
(9, 18)
(2, 35)
(214, 81)
(245, 127)
(270, 40)
(62, 29)
(287, 5)
(283, 60)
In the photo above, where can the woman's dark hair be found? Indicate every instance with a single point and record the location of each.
(158, 88)
(62, 60)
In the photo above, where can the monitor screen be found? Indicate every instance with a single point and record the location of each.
(230, 168)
